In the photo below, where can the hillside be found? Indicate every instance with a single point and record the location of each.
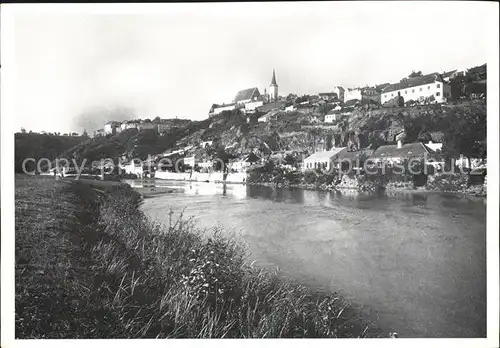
(37, 146)
(301, 131)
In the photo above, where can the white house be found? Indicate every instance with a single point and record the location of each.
(239, 166)
(206, 166)
(391, 154)
(147, 125)
(189, 161)
(112, 127)
(129, 125)
(339, 90)
(418, 88)
(133, 167)
(290, 108)
(321, 159)
(251, 106)
(270, 116)
(217, 109)
(352, 93)
(206, 143)
(330, 118)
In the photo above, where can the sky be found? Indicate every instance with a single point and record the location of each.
(76, 69)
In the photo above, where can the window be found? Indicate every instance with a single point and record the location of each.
(420, 89)
(438, 85)
(437, 94)
(429, 87)
(413, 91)
(406, 92)
(392, 94)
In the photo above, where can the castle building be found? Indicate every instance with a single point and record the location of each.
(273, 89)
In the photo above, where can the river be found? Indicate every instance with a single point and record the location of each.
(415, 262)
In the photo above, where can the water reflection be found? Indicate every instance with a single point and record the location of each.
(312, 197)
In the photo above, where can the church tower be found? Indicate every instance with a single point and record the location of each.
(273, 89)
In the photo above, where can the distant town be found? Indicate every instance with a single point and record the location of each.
(386, 124)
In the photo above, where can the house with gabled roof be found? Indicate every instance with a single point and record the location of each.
(418, 88)
(322, 159)
(217, 109)
(112, 127)
(391, 154)
(247, 95)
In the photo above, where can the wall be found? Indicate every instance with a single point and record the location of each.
(253, 105)
(424, 91)
(354, 94)
(223, 108)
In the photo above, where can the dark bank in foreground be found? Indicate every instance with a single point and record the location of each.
(89, 264)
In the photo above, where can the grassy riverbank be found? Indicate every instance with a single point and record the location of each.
(90, 264)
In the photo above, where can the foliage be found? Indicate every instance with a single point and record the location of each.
(465, 132)
(415, 74)
(38, 146)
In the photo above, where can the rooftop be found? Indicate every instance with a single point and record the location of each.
(406, 150)
(413, 82)
(324, 155)
(247, 94)
(270, 106)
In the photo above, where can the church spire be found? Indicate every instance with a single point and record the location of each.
(273, 80)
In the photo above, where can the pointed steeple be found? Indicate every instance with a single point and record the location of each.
(273, 80)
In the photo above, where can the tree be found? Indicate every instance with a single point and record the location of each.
(157, 119)
(465, 133)
(376, 142)
(415, 74)
(253, 158)
(85, 134)
(323, 109)
(290, 160)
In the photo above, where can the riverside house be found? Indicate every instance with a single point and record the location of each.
(321, 159)
(240, 165)
(392, 154)
(350, 159)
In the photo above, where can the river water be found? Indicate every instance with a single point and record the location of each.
(415, 262)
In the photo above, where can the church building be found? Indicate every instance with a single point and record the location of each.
(273, 89)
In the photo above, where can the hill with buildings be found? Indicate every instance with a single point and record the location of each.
(267, 124)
